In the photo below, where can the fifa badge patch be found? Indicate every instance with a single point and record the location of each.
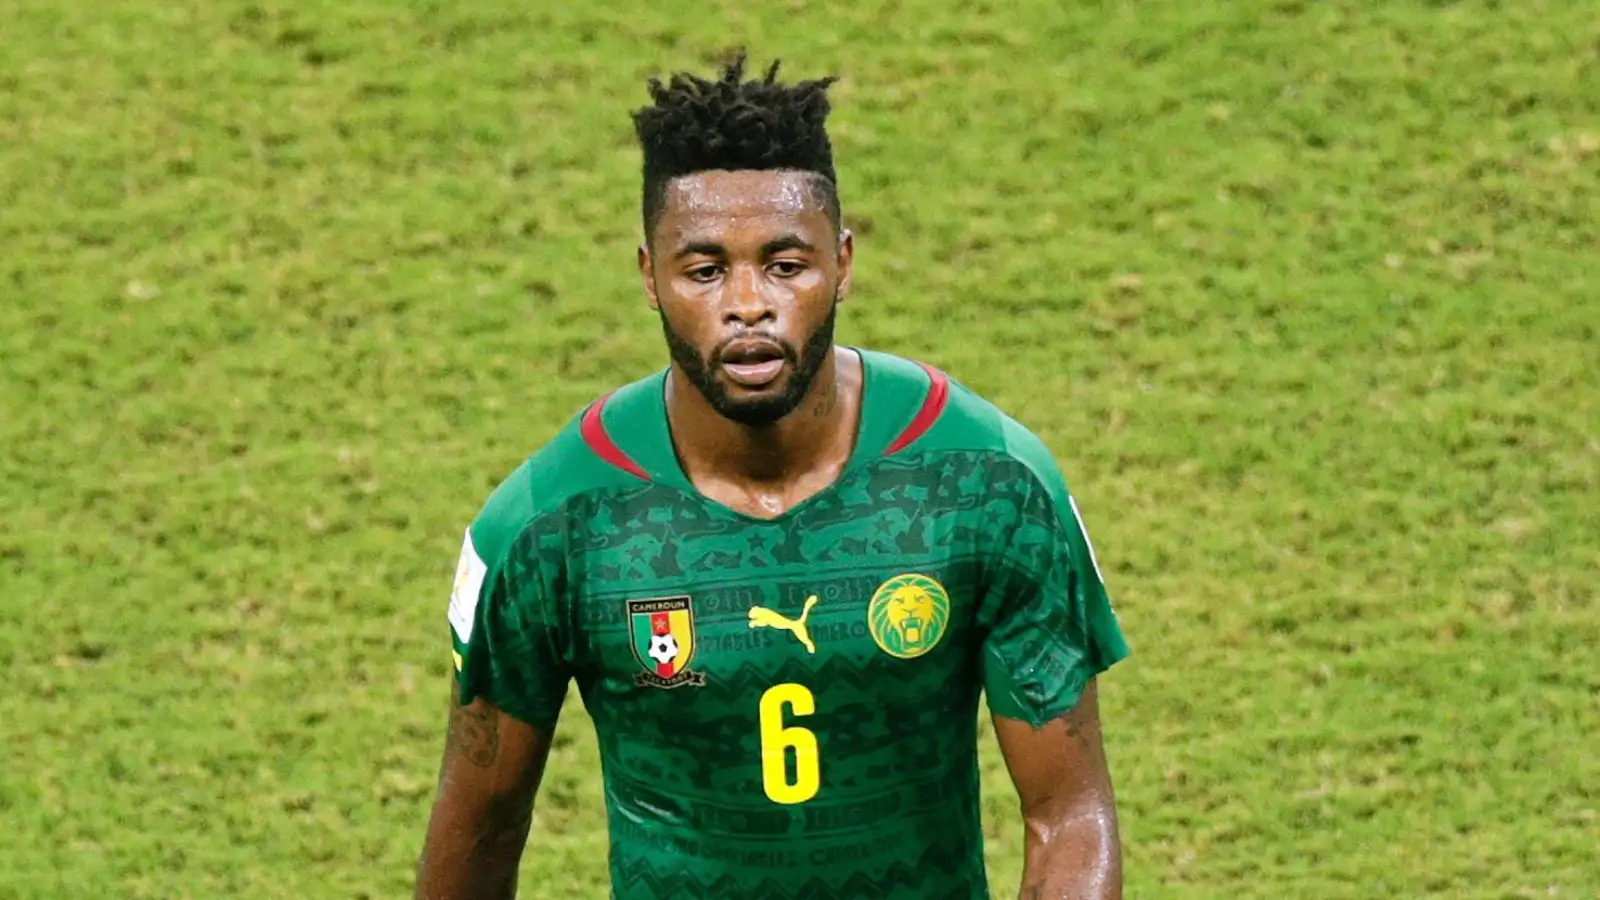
(908, 615)
(663, 642)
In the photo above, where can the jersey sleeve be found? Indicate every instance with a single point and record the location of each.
(1052, 627)
(507, 642)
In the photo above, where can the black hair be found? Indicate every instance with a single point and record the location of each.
(697, 125)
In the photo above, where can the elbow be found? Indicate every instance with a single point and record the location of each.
(1089, 819)
(1074, 851)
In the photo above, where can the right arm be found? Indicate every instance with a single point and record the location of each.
(487, 781)
(511, 676)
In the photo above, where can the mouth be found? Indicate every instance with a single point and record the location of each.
(753, 362)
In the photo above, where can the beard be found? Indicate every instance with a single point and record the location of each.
(804, 364)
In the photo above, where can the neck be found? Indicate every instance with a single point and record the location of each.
(818, 436)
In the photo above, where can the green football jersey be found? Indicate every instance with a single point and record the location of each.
(788, 707)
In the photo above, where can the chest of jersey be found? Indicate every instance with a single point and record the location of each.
(824, 653)
(668, 591)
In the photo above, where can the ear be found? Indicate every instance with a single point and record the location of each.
(647, 274)
(847, 259)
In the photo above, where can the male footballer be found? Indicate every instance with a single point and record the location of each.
(781, 573)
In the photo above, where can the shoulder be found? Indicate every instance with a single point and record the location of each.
(972, 423)
(564, 468)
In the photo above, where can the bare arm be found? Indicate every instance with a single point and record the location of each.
(1073, 851)
(491, 771)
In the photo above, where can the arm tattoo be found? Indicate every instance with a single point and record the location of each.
(475, 734)
(1083, 727)
(508, 836)
(1080, 732)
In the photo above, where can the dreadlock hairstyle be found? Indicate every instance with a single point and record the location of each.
(697, 125)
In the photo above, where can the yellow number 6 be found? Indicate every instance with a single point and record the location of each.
(777, 741)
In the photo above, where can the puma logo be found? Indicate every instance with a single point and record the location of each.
(761, 617)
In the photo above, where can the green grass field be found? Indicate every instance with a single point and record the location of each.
(1305, 297)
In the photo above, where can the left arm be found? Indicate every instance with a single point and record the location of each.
(1051, 631)
(1073, 851)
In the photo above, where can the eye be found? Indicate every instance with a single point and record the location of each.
(703, 274)
(788, 268)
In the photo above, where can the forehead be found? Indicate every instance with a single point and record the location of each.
(696, 206)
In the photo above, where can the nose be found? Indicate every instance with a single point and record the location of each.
(745, 299)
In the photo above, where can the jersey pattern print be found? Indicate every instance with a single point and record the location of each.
(787, 708)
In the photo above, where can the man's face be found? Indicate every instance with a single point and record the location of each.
(746, 269)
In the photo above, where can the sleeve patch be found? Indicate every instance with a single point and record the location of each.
(470, 573)
(1086, 542)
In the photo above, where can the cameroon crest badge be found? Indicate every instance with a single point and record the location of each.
(663, 642)
(908, 615)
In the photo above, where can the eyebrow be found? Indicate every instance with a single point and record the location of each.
(784, 242)
(700, 248)
(778, 244)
